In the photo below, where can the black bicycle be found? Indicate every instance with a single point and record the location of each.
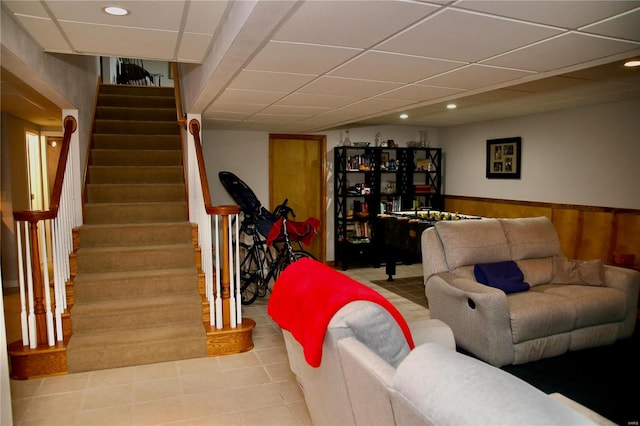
(274, 240)
(264, 259)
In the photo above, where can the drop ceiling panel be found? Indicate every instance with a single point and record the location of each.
(353, 23)
(193, 47)
(279, 82)
(205, 16)
(32, 8)
(564, 51)
(164, 15)
(308, 99)
(238, 108)
(348, 87)
(419, 93)
(626, 26)
(45, 33)
(300, 58)
(250, 96)
(465, 36)
(561, 13)
(384, 66)
(301, 111)
(475, 76)
(149, 44)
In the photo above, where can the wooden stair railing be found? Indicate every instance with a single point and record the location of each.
(227, 331)
(42, 312)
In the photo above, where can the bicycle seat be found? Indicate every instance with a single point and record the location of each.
(297, 231)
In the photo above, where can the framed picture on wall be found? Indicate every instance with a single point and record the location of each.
(504, 158)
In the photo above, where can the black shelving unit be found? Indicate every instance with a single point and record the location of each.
(373, 180)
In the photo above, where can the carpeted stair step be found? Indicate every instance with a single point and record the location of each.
(135, 113)
(136, 157)
(115, 213)
(120, 259)
(137, 174)
(139, 312)
(139, 234)
(118, 141)
(127, 193)
(132, 90)
(91, 287)
(131, 127)
(135, 101)
(94, 351)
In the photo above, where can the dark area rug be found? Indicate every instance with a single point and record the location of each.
(605, 378)
(411, 288)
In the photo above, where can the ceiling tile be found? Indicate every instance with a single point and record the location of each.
(205, 16)
(419, 93)
(348, 87)
(300, 58)
(384, 66)
(258, 97)
(626, 26)
(354, 23)
(165, 15)
(193, 47)
(475, 76)
(150, 44)
(308, 99)
(231, 107)
(45, 33)
(465, 36)
(561, 13)
(564, 51)
(31, 8)
(302, 111)
(279, 82)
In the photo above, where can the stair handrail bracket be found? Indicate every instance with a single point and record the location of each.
(44, 236)
(225, 306)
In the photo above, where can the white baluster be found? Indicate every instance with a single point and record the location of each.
(232, 281)
(58, 278)
(218, 287)
(33, 339)
(23, 303)
(47, 292)
(237, 269)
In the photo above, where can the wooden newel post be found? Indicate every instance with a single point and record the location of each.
(38, 290)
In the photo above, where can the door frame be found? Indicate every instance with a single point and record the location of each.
(322, 141)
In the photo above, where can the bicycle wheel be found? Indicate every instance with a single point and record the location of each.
(250, 274)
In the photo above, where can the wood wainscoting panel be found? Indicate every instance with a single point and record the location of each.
(568, 224)
(585, 232)
(597, 227)
(627, 236)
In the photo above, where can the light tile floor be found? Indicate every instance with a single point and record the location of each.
(252, 388)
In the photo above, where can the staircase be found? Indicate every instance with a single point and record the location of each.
(136, 295)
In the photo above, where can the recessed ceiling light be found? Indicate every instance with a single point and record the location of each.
(452, 106)
(632, 63)
(115, 10)
(404, 116)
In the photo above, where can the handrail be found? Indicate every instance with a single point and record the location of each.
(41, 317)
(70, 126)
(194, 129)
(223, 296)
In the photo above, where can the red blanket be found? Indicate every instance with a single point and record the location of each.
(298, 231)
(307, 295)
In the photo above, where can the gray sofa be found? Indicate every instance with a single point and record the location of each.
(569, 305)
(368, 376)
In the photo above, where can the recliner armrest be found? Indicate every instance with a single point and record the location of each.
(432, 331)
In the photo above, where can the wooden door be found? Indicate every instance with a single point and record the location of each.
(297, 171)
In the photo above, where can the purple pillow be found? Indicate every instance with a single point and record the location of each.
(505, 276)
